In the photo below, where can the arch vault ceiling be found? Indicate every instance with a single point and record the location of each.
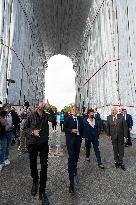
(61, 25)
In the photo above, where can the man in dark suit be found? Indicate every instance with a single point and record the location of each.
(129, 121)
(96, 114)
(98, 118)
(73, 127)
(117, 130)
(120, 110)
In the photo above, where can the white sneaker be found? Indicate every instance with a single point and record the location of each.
(6, 162)
(1, 166)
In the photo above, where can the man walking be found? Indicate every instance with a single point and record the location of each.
(117, 130)
(129, 121)
(38, 129)
(73, 127)
(98, 118)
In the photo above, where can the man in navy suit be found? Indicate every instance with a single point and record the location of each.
(73, 127)
(98, 118)
(129, 121)
(97, 115)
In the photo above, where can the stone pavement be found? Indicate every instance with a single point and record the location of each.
(110, 187)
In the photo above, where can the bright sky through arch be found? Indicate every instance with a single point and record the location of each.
(60, 81)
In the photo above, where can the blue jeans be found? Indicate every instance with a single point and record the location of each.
(5, 145)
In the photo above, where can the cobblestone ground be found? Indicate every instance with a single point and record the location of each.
(110, 187)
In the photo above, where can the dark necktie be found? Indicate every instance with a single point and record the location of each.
(115, 121)
(75, 122)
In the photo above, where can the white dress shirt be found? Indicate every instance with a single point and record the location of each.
(75, 119)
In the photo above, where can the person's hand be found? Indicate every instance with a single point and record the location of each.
(130, 129)
(36, 133)
(125, 140)
(47, 104)
(74, 131)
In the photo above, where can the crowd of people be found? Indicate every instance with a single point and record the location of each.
(33, 129)
(9, 121)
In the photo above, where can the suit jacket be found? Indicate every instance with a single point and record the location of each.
(119, 130)
(97, 117)
(90, 132)
(129, 121)
(69, 124)
(99, 121)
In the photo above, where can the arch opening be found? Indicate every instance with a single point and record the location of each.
(60, 81)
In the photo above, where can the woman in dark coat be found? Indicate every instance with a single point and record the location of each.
(91, 134)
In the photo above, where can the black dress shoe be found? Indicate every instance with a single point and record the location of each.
(34, 188)
(101, 166)
(116, 164)
(122, 167)
(13, 142)
(43, 197)
(130, 144)
(71, 189)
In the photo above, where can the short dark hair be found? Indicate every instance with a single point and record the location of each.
(90, 110)
(3, 113)
(6, 104)
(74, 106)
(26, 104)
